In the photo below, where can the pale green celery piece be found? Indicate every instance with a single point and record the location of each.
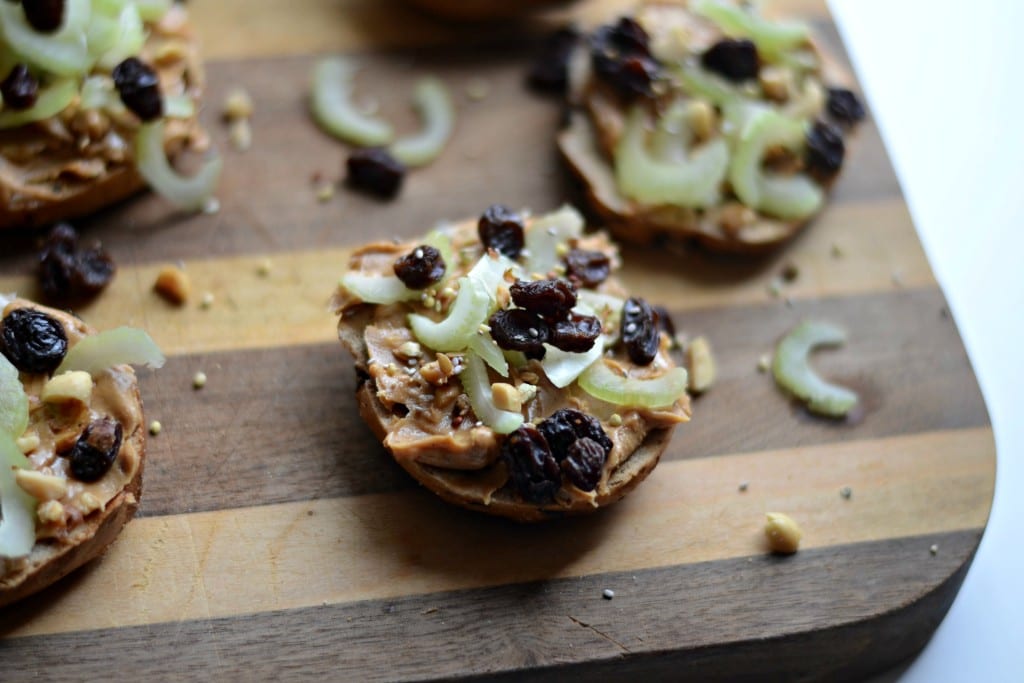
(153, 11)
(477, 386)
(98, 93)
(489, 272)
(600, 381)
(51, 101)
(334, 111)
(698, 81)
(188, 193)
(434, 104)
(13, 400)
(179, 107)
(131, 35)
(103, 29)
(562, 368)
(607, 308)
(788, 197)
(378, 289)
(691, 183)
(455, 332)
(17, 508)
(121, 346)
(793, 372)
(545, 234)
(483, 345)
(771, 37)
(61, 53)
(442, 241)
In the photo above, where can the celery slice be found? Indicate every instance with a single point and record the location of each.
(17, 508)
(454, 333)
(562, 368)
(435, 107)
(153, 11)
(378, 289)
(771, 37)
(477, 386)
(131, 35)
(600, 381)
(483, 345)
(545, 234)
(120, 346)
(334, 111)
(63, 52)
(793, 372)
(189, 193)
(51, 101)
(13, 400)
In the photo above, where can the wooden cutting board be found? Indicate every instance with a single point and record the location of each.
(277, 540)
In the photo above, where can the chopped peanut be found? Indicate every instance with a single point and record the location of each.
(783, 533)
(701, 117)
(433, 374)
(701, 365)
(172, 284)
(527, 392)
(41, 486)
(237, 105)
(776, 82)
(734, 216)
(28, 442)
(409, 349)
(70, 386)
(506, 397)
(445, 363)
(89, 503)
(240, 134)
(51, 512)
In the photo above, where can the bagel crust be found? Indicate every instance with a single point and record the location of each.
(93, 513)
(432, 432)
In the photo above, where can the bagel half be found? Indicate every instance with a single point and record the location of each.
(88, 526)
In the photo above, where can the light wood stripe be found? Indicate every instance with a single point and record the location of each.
(275, 557)
(270, 27)
(289, 305)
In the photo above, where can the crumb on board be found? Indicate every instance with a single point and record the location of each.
(836, 251)
(325, 192)
(783, 533)
(934, 550)
(237, 104)
(206, 301)
(607, 594)
(478, 88)
(846, 492)
(700, 364)
(764, 362)
(744, 485)
(173, 285)
(199, 380)
(155, 427)
(790, 272)
(264, 267)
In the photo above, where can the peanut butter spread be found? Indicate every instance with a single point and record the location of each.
(431, 421)
(49, 160)
(54, 427)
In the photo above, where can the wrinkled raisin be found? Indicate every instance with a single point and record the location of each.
(550, 299)
(421, 267)
(584, 463)
(844, 106)
(501, 229)
(640, 333)
(375, 171)
(825, 149)
(534, 471)
(587, 268)
(20, 89)
(96, 450)
(33, 341)
(621, 56)
(44, 16)
(565, 426)
(736, 60)
(139, 87)
(549, 72)
(518, 330)
(70, 274)
(576, 334)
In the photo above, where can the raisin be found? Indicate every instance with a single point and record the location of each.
(549, 72)
(20, 89)
(69, 274)
(584, 463)
(825, 149)
(621, 56)
(518, 330)
(664, 320)
(375, 171)
(139, 87)
(736, 60)
(33, 341)
(501, 229)
(44, 16)
(844, 106)
(576, 334)
(565, 426)
(550, 299)
(96, 450)
(421, 267)
(640, 331)
(587, 268)
(534, 471)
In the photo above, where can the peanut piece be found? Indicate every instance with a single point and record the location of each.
(240, 134)
(701, 117)
(89, 503)
(433, 374)
(74, 385)
(776, 82)
(28, 442)
(783, 533)
(445, 363)
(237, 105)
(51, 512)
(701, 365)
(41, 486)
(409, 349)
(506, 397)
(173, 285)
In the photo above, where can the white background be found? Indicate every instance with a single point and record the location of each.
(945, 83)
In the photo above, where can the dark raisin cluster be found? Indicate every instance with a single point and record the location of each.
(375, 171)
(844, 106)
(568, 443)
(824, 152)
(544, 316)
(621, 56)
(96, 450)
(733, 59)
(19, 89)
(70, 273)
(549, 71)
(500, 228)
(33, 341)
(640, 334)
(587, 268)
(44, 16)
(139, 87)
(421, 267)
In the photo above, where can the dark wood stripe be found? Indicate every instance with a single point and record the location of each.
(777, 612)
(280, 424)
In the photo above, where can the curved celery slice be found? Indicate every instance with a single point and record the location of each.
(562, 367)
(13, 400)
(17, 508)
(51, 101)
(545, 234)
(489, 272)
(690, 183)
(455, 332)
(477, 386)
(771, 37)
(104, 28)
(788, 197)
(120, 346)
(702, 83)
(334, 111)
(600, 381)
(179, 107)
(484, 346)
(131, 35)
(63, 52)
(190, 193)
(435, 107)
(378, 289)
(793, 372)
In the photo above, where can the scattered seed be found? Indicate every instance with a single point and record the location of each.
(846, 492)
(837, 251)
(790, 272)
(237, 104)
(207, 300)
(608, 594)
(325, 192)
(764, 362)
(478, 89)
(155, 427)
(199, 380)
(934, 550)
(615, 420)
(744, 486)
(211, 206)
(264, 268)
(783, 533)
